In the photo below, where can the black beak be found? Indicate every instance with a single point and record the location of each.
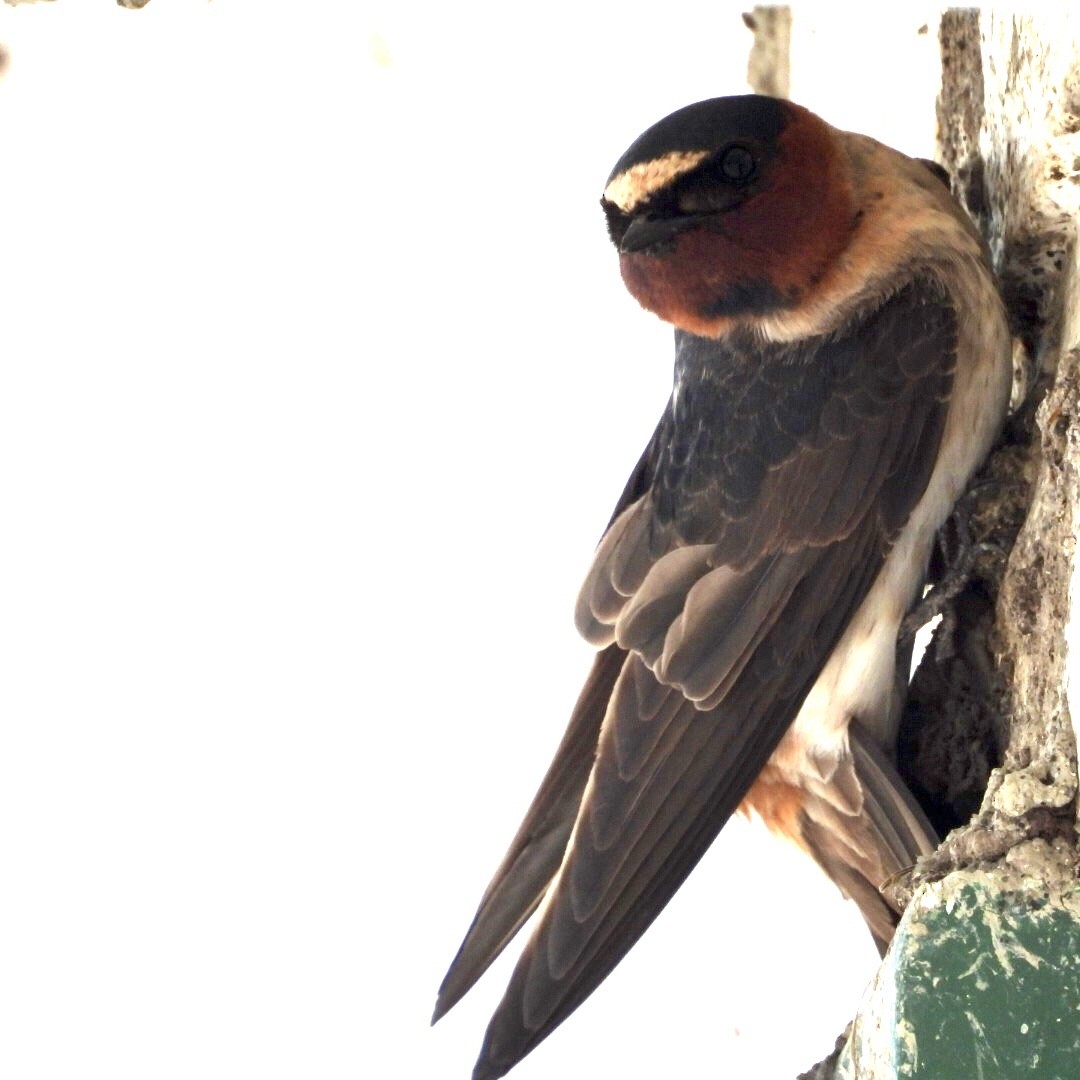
(654, 234)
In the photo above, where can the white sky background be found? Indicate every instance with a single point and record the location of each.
(318, 385)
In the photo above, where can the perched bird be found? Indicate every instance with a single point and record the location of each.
(842, 365)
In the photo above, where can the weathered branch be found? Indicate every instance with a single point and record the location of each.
(974, 973)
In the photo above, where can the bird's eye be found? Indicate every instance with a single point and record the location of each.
(720, 183)
(737, 164)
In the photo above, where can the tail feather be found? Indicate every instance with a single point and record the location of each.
(861, 851)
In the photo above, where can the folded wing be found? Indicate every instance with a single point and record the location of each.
(752, 529)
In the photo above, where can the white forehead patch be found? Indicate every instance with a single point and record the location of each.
(631, 188)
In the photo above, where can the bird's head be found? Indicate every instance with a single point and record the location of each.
(729, 210)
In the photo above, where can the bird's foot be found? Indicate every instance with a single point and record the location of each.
(959, 554)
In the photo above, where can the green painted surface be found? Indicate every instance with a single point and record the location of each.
(979, 984)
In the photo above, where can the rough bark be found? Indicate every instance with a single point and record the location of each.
(989, 731)
(1009, 114)
(768, 69)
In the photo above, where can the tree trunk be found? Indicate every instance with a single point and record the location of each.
(983, 977)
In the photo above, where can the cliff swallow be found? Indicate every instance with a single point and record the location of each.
(842, 365)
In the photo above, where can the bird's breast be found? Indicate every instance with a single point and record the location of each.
(703, 279)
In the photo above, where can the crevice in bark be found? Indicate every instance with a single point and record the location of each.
(993, 698)
(987, 739)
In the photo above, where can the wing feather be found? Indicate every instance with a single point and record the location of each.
(748, 536)
(519, 884)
